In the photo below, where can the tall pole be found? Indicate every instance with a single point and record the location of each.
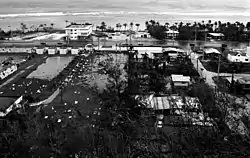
(98, 42)
(197, 64)
(195, 34)
(130, 36)
(173, 37)
(218, 73)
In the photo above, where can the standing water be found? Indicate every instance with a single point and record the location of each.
(51, 68)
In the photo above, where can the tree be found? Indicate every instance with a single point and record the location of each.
(23, 27)
(248, 25)
(117, 26)
(131, 25)
(156, 31)
(137, 25)
(125, 26)
(103, 26)
(52, 25)
(66, 23)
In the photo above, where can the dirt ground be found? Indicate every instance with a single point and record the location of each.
(78, 94)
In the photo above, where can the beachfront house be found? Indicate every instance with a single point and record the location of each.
(171, 34)
(142, 35)
(238, 56)
(215, 36)
(78, 31)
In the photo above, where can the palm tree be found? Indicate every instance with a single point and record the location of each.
(137, 25)
(131, 25)
(215, 24)
(66, 21)
(103, 26)
(125, 26)
(152, 22)
(52, 25)
(167, 25)
(117, 26)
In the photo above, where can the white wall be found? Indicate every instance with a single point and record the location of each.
(243, 59)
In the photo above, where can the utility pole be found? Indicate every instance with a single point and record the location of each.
(218, 73)
(197, 64)
(130, 36)
(98, 42)
(61, 89)
(195, 34)
(173, 37)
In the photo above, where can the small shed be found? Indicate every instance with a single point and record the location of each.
(244, 82)
(216, 36)
(211, 51)
(172, 34)
(180, 80)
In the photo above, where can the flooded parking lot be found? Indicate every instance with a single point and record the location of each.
(51, 68)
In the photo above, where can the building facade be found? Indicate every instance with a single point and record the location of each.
(171, 34)
(238, 57)
(78, 31)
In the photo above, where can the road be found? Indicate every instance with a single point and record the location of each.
(145, 42)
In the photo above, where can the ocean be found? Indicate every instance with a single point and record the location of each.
(36, 12)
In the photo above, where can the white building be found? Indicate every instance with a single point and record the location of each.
(180, 80)
(142, 35)
(172, 34)
(76, 31)
(238, 56)
(7, 71)
(208, 51)
(215, 36)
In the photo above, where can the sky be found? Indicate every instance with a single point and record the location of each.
(10, 6)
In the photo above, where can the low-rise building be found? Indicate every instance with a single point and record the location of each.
(142, 35)
(173, 53)
(172, 34)
(215, 36)
(179, 81)
(78, 31)
(244, 83)
(188, 108)
(238, 56)
(7, 70)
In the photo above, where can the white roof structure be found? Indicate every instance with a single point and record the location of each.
(216, 34)
(149, 50)
(211, 51)
(172, 49)
(180, 78)
(170, 102)
(79, 26)
(172, 31)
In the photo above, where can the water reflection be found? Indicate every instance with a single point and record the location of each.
(50, 69)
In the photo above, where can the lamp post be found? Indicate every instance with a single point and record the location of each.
(218, 73)
(61, 89)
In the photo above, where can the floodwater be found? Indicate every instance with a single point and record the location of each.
(51, 68)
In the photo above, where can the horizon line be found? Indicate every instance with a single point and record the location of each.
(245, 14)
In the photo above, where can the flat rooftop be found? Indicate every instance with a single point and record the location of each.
(82, 26)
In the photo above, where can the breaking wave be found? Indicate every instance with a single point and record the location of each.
(208, 13)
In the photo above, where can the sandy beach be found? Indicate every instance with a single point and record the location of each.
(13, 12)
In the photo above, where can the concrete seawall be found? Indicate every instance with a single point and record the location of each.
(75, 51)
